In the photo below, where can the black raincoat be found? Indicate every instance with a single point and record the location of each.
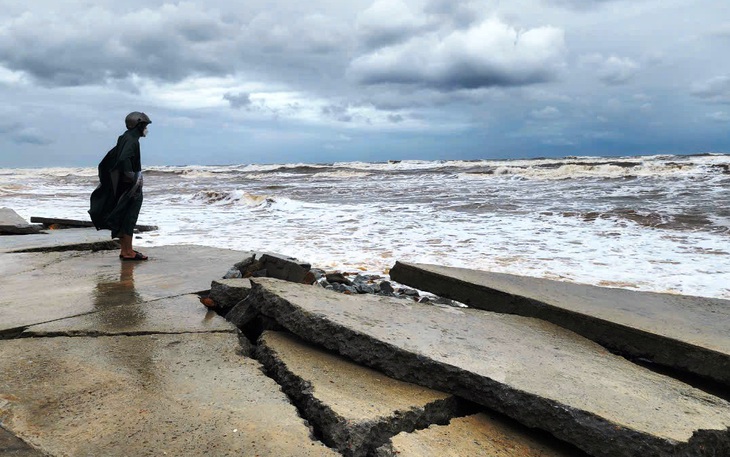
(116, 202)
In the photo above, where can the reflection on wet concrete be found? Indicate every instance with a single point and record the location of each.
(114, 292)
(129, 312)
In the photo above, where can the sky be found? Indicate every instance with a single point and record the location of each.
(360, 80)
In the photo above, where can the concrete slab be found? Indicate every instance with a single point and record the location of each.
(182, 314)
(356, 409)
(479, 434)
(83, 239)
(226, 293)
(156, 395)
(687, 333)
(11, 223)
(55, 286)
(533, 371)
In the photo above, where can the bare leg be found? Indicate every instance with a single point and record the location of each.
(127, 250)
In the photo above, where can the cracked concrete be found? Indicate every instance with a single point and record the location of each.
(682, 332)
(38, 290)
(182, 314)
(191, 394)
(479, 434)
(533, 371)
(354, 408)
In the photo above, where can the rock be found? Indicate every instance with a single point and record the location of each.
(338, 278)
(355, 409)
(286, 268)
(243, 265)
(685, 333)
(533, 371)
(408, 292)
(233, 273)
(226, 293)
(344, 288)
(386, 287)
(318, 274)
(479, 434)
(309, 278)
(12, 224)
(364, 288)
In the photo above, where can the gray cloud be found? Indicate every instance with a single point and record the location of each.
(237, 101)
(487, 54)
(30, 135)
(715, 89)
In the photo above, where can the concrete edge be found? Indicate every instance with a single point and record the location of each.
(626, 341)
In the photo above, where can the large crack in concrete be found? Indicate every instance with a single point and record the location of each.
(354, 326)
(355, 430)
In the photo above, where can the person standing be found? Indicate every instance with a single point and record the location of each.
(116, 202)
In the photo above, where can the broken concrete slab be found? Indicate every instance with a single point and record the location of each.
(59, 240)
(12, 446)
(182, 314)
(74, 223)
(12, 224)
(478, 434)
(533, 371)
(189, 394)
(682, 332)
(226, 293)
(51, 287)
(286, 268)
(356, 409)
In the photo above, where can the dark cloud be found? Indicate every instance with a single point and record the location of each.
(237, 101)
(95, 45)
(485, 55)
(395, 118)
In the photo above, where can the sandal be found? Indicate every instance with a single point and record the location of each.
(137, 256)
(130, 258)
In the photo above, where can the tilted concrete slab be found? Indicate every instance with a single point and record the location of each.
(189, 394)
(54, 286)
(12, 224)
(479, 434)
(534, 371)
(355, 408)
(59, 240)
(226, 293)
(181, 314)
(687, 333)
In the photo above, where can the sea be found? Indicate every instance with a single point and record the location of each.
(654, 223)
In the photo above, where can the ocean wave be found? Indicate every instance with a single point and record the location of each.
(215, 197)
(688, 221)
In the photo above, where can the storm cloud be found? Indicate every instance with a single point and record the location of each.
(537, 77)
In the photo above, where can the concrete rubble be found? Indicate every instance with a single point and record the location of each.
(682, 332)
(104, 357)
(533, 371)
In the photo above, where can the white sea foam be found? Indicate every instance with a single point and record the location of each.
(563, 219)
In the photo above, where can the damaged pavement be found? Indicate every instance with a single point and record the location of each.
(103, 357)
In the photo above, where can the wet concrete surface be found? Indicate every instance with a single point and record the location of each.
(682, 332)
(50, 240)
(188, 394)
(478, 434)
(354, 408)
(181, 314)
(42, 287)
(533, 371)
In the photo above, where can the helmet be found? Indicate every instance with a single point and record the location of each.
(134, 118)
